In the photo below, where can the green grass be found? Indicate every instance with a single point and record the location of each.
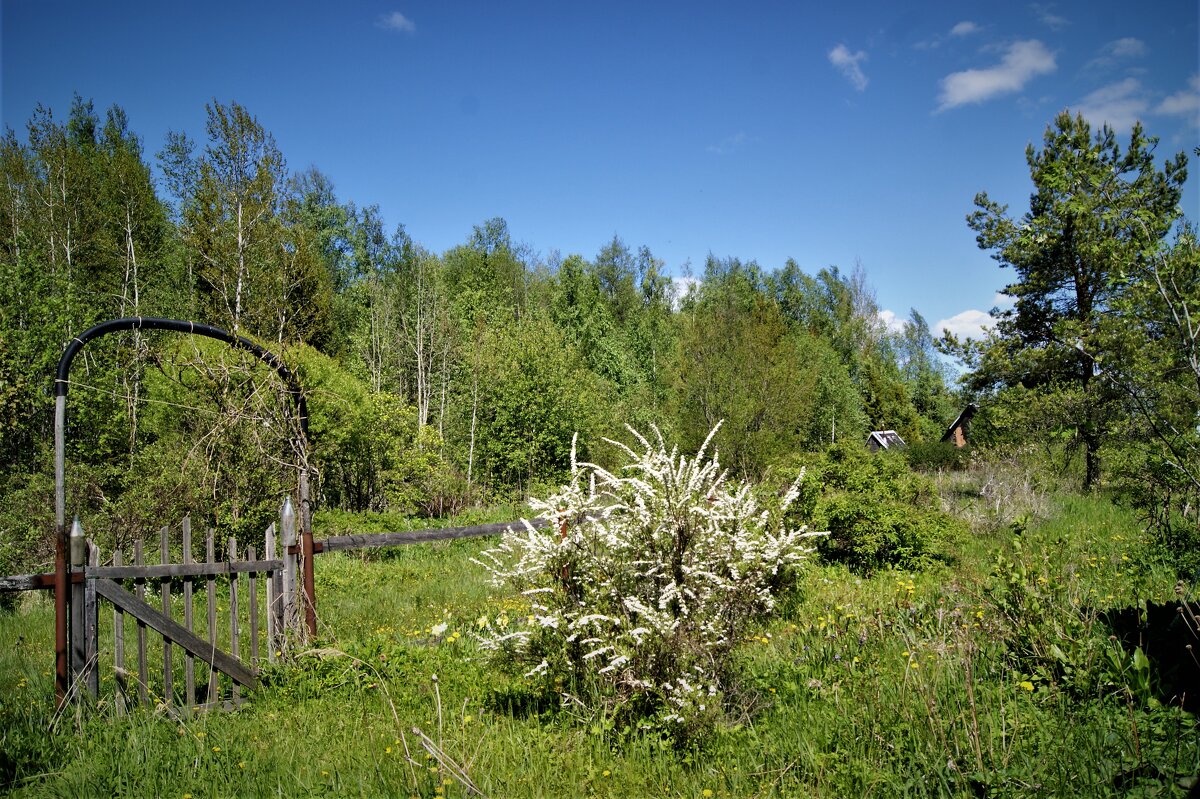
(939, 683)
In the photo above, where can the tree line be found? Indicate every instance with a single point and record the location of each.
(438, 381)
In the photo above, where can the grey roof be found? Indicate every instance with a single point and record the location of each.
(886, 439)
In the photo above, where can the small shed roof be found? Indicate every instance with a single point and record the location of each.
(885, 439)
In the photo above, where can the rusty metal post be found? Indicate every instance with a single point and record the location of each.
(61, 668)
(306, 539)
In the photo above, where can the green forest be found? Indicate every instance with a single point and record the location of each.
(440, 381)
(751, 603)
(436, 381)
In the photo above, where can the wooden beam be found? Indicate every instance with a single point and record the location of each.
(369, 541)
(176, 632)
(184, 569)
(27, 582)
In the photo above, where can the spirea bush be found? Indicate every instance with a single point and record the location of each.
(642, 585)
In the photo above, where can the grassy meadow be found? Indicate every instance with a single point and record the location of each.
(996, 674)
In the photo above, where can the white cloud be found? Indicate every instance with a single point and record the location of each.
(1183, 102)
(1128, 47)
(964, 28)
(682, 287)
(1115, 51)
(1046, 15)
(1022, 62)
(729, 143)
(1002, 300)
(396, 21)
(1118, 104)
(848, 63)
(893, 323)
(968, 324)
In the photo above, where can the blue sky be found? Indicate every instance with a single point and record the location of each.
(840, 134)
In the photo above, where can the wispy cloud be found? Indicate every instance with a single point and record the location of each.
(395, 21)
(1003, 301)
(1045, 15)
(1116, 51)
(1185, 102)
(729, 143)
(968, 324)
(1021, 63)
(848, 64)
(1118, 105)
(961, 30)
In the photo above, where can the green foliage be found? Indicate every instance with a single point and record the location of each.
(530, 394)
(892, 684)
(877, 511)
(936, 456)
(777, 391)
(1094, 211)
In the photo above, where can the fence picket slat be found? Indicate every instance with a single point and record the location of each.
(119, 702)
(189, 665)
(91, 623)
(253, 602)
(210, 555)
(234, 649)
(164, 541)
(140, 591)
(290, 607)
(272, 597)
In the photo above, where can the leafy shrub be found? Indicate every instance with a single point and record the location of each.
(937, 456)
(877, 511)
(642, 585)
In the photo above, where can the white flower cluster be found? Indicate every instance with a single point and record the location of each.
(644, 580)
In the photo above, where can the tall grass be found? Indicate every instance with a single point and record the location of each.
(901, 684)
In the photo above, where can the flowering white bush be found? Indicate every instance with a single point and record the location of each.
(643, 583)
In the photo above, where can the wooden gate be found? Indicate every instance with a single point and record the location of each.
(250, 603)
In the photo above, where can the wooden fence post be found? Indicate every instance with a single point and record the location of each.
(78, 554)
(121, 700)
(252, 555)
(164, 541)
(234, 633)
(210, 556)
(189, 665)
(140, 592)
(287, 527)
(273, 599)
(91, 624)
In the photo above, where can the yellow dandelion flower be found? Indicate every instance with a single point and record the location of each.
(1027, 685)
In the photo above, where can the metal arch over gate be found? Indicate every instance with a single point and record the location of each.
(62, 577)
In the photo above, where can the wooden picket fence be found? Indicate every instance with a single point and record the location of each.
(219, 656)
(233, 649)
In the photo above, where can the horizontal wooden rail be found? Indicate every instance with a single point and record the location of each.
(376, 540)
(184, 569)
(33, 582)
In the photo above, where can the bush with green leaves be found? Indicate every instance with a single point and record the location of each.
(878, 512)
(642, 585)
